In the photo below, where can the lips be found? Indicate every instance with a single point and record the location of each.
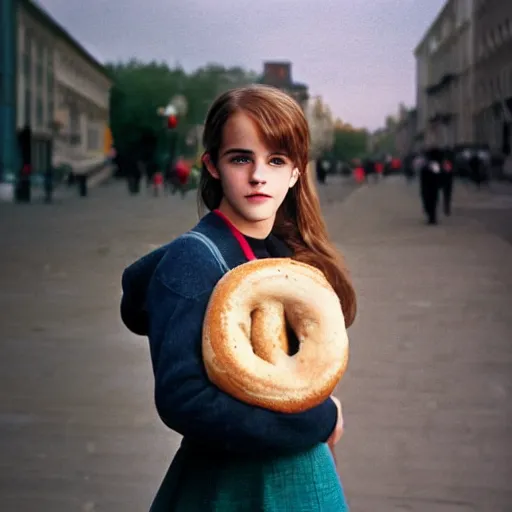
(258, 195)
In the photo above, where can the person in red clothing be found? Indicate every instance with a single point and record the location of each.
(182, 170)
(179, 176)
(158, 182)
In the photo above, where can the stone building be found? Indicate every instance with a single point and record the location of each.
(321, 126)
(279, 74)
(493, 74)
(56, 88)
(405, 132)
(444, 77)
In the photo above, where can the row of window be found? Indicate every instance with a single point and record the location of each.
(489, 128)
(462, 13)
(455, 58)
(495, 88)
(81, 75)
(38, 76)
(38, 93)
(494, 38)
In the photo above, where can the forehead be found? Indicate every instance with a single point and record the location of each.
(242, 132)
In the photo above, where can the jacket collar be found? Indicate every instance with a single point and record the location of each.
(218, 232)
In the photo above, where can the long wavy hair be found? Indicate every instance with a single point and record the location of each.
(299, 221)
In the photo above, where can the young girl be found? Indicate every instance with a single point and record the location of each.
(236, 457)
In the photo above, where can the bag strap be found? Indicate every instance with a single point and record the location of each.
(211, 246)
(242, 241)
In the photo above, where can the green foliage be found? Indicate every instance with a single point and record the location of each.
(141, 88)
(384, 142)
(349, 143)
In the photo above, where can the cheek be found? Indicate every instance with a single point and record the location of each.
(232, 182)
(284, 184)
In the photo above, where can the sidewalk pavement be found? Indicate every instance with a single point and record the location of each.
(62, 191)
(428, 394)
(426, 398)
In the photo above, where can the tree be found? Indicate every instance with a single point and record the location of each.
(321, 127)
(141, 88)
(349, 142)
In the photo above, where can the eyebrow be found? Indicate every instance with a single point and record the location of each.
(237, 150)
(250, 152)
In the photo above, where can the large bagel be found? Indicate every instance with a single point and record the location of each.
(245, 345)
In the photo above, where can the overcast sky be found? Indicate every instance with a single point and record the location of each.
(357, 54)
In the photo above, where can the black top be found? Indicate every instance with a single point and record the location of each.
(270, 247)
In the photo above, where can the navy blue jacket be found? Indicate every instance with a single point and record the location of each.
(165, 295)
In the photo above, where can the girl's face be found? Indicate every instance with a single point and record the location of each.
(255, 178)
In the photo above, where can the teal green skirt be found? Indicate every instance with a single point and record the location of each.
(304, 482)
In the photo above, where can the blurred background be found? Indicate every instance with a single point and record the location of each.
(101, 113)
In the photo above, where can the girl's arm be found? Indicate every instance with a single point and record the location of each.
(190, 404)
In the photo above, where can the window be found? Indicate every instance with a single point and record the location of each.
(480, 52)
(27, 74)
(497, 35)
(28, 107)
(74, 120)
(39, 76)
(40, 52)
(39, 112)
(433, 44)
(39, 65)
(50, 109)
(490, 41)
(50, 89)
(93, 138)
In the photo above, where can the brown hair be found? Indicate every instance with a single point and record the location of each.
(299, 221)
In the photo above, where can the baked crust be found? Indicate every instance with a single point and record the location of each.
(245, 343)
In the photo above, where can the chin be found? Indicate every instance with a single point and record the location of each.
(258, 214)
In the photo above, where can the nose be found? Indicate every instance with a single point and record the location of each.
(258, 173)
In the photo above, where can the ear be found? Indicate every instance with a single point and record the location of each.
(210, 167)
(294, 177)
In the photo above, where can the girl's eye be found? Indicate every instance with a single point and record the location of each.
(278, 161)
(240, 160)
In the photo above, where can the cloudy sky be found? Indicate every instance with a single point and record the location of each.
(357, 54)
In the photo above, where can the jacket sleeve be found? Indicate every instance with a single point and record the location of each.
(189, 403)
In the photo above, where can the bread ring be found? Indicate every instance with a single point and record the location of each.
(245, 342)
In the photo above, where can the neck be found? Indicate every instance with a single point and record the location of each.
(254, 229)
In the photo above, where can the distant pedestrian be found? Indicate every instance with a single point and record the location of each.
(158, 183)
(429, 184)
(322, 168)
(446, 182)
(370, 170)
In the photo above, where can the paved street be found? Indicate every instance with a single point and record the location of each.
(427, 398)
(492, 207)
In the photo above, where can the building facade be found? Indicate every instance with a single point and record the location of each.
(8, 157)
(493, 74)
(321, 126)
(320, 120)
(445, 77)
(279, 74)
(60, 92)
(405, 132)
